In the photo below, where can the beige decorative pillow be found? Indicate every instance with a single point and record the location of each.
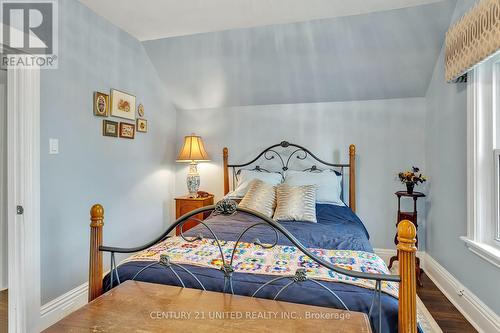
(295, 203)
(260, 197)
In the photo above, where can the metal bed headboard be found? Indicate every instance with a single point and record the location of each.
(285, 156)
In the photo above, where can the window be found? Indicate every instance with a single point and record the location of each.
(483, 160)
(496, 157)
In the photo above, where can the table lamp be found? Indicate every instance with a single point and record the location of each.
(193, 151)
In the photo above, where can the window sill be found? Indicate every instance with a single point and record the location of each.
(485, 251)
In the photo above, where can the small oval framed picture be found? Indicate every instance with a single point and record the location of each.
(140, 110)
(101, 105)
(142, 125)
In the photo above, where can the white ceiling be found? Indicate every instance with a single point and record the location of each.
(154, 19)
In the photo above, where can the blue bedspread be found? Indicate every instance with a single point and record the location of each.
(337, 228)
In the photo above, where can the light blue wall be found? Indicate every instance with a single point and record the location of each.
(380, 55)
(389, 136)
(446, 156)
(133, 179)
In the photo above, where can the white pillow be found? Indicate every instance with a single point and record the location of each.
(328, 184)
(245, 178)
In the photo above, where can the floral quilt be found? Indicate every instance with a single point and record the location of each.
(279, 260)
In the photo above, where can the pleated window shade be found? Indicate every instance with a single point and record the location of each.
(473, 39)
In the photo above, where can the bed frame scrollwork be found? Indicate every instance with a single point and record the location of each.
(284, 154)
(407, 318)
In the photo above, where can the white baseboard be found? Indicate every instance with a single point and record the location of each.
(55, 310)
(472, 308)
(386, 255)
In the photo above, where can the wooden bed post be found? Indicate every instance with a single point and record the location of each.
(352, 177)
(408, 287)
(225, 156)
(95, 263)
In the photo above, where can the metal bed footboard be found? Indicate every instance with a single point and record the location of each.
(406, 250)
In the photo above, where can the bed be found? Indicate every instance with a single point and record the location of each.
(243, 252)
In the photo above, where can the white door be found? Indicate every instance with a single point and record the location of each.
(3, 180)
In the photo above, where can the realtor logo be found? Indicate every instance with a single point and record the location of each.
(29, 33)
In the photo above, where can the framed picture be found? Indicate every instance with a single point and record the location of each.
(127, 130)
(122, 104)
(142, 125)
(140, 110)
(110, 128)
(101, 104)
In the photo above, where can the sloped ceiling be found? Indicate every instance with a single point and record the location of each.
(153, 19)
(380, 55)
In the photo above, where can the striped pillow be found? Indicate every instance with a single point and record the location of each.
(295, 203)
(260, 197)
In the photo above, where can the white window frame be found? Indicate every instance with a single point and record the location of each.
(496, 157)
(496, 152)
(483, 211)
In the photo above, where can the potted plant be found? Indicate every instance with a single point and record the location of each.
(411, 178)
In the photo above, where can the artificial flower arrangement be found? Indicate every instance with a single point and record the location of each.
(411, 178)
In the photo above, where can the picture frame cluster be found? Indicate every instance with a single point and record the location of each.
(120, 104)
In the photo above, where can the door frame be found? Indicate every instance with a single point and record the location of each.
(3, 183)
(23, 189)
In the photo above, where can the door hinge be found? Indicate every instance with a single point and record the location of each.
(19, 210)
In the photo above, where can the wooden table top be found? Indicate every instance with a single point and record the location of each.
(415, 194)
(145, 307)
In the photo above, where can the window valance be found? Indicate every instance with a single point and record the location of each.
(474, 38)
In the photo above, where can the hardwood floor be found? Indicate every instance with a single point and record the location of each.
(446, 315)
(3, 311)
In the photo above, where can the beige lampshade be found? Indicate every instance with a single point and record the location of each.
(193, 150)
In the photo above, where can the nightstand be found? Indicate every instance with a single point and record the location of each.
(412, 217)
(185, 204)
